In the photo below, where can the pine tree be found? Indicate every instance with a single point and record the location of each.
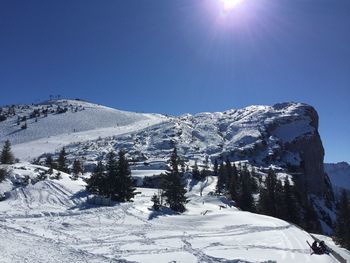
(291, 203)
(220, 185)
(49, 163)
(96, 183)
(216, 168)
(6, 154)
(267, 195)
(174, 161)
(342, 231)
(173, 188)
(111, 180)
(61, 161)
(271, 181)
(195, 172)
(125, 189)
(280, 201)
(228, 173)
(156, 202)
(3, 175)
(245, 198)
(77, 169)
(234, 187)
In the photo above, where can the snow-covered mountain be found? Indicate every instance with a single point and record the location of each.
(339, 174)
(285, 135)
(53, 211)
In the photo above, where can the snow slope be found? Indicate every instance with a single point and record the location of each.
(50, 221)
(81, 122)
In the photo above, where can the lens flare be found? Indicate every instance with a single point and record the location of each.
(230, 4)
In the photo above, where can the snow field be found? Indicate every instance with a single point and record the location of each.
(51, 221)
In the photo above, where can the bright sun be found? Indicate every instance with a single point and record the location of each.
(230, 4)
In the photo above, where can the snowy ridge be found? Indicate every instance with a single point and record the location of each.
(72, 230)
(257, 133)
(78, 121)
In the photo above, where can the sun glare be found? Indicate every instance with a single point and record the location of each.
(230, 4)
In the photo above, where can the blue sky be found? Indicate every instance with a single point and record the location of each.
(178, 56)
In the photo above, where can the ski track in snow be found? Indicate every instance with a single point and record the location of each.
(46, 222)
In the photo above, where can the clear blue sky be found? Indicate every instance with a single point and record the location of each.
(177, 56)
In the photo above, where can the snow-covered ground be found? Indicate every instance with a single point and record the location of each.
(83, 121)
(51, 221)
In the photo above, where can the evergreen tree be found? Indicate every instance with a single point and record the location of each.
(96, 183)
(291, 203)
(3, 175)
(204, 174)
(77, 169)
(50, 163)
(271, 181)
(234, 185)
(280, 201)
(245, 198)
(195, 172)
(156, 202)
(61, 161)
(6, 154)
(111, 180)
(310, 220)
(228, 173)
(216, 168)
(125, 188)
(267, 195)
(342, 230)
(173, 188)
(220, 185)
(174, 161)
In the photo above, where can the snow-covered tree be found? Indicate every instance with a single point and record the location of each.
(61, 161)
(77, 169)
(6, 154)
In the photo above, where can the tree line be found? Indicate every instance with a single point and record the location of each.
(284, 199)
(342, 226)
(61, 164)
(113, 179)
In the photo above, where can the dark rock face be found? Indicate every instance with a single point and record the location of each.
(311, 153)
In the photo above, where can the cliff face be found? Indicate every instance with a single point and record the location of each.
(311, 152)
